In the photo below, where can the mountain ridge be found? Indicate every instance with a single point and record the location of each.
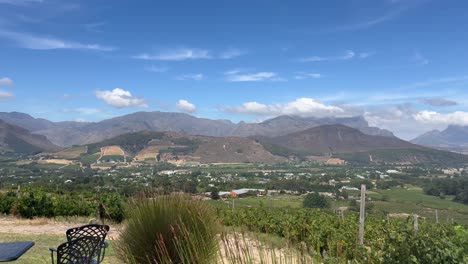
(20, 140)
(454, 138)
(70, 133)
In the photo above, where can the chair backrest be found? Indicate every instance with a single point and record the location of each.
(78, 251)
(93, 230)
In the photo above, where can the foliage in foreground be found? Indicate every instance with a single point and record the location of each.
(169, 229)
(327, 236)
(30, 204)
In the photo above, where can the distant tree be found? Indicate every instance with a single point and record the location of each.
(314, 200)
(432, 191)
(214, 195)
(190, 187)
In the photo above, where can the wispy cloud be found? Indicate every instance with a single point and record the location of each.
(157, 69)
(6, 81)
(231, 53)
(176, 55)
(83, 110)
(438, 102)
(365, 55)
(29, 41)
(371, 22)
(194, 77)
(240, 76)
(348, 55)
(307, 75)
(6, 95)
(419, 59)
(431, 82)
(21, 2)
(94, 27)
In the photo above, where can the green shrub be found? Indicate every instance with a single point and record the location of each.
(169, 229)
(314, 200)
(114, 208)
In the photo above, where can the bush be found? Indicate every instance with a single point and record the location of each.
(314, 200)
(169, 229)
(113, 207)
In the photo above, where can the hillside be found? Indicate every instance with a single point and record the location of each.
(78, 133)
(19, 140)
(335, 138)
(453, 138)
(354, 146)
(175, 147)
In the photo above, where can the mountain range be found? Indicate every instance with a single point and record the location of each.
(79, 133)
(177, 136)
(454, 138)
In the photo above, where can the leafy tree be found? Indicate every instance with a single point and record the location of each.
(214, 195)
(314, 200)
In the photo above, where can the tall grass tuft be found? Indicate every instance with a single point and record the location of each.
(169, 229)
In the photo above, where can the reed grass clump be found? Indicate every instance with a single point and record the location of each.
(169, 229)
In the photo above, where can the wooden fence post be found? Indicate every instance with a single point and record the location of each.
(416, 225)
(362, 214)
(437, 216)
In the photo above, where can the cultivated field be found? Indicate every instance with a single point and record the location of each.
(71, 153)
(112, 151)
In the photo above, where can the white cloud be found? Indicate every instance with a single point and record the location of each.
(176, 55)
(28, 41)
(239, 76)
(305, 75)
(435, 118)
(6, 95)
(231, 53)
(6, 81)
(349, 54)
(120, 98)
(194, 77)
(300, 106)
(186, 106)
(409, 123)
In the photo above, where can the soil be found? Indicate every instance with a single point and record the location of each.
(43, 226)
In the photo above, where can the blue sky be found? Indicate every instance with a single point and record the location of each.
(402, 64)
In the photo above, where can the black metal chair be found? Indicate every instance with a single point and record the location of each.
(78, 251)
(93, 230)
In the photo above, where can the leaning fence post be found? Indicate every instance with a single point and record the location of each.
(362, 214)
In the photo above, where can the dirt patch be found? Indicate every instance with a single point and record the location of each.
(44, 226)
